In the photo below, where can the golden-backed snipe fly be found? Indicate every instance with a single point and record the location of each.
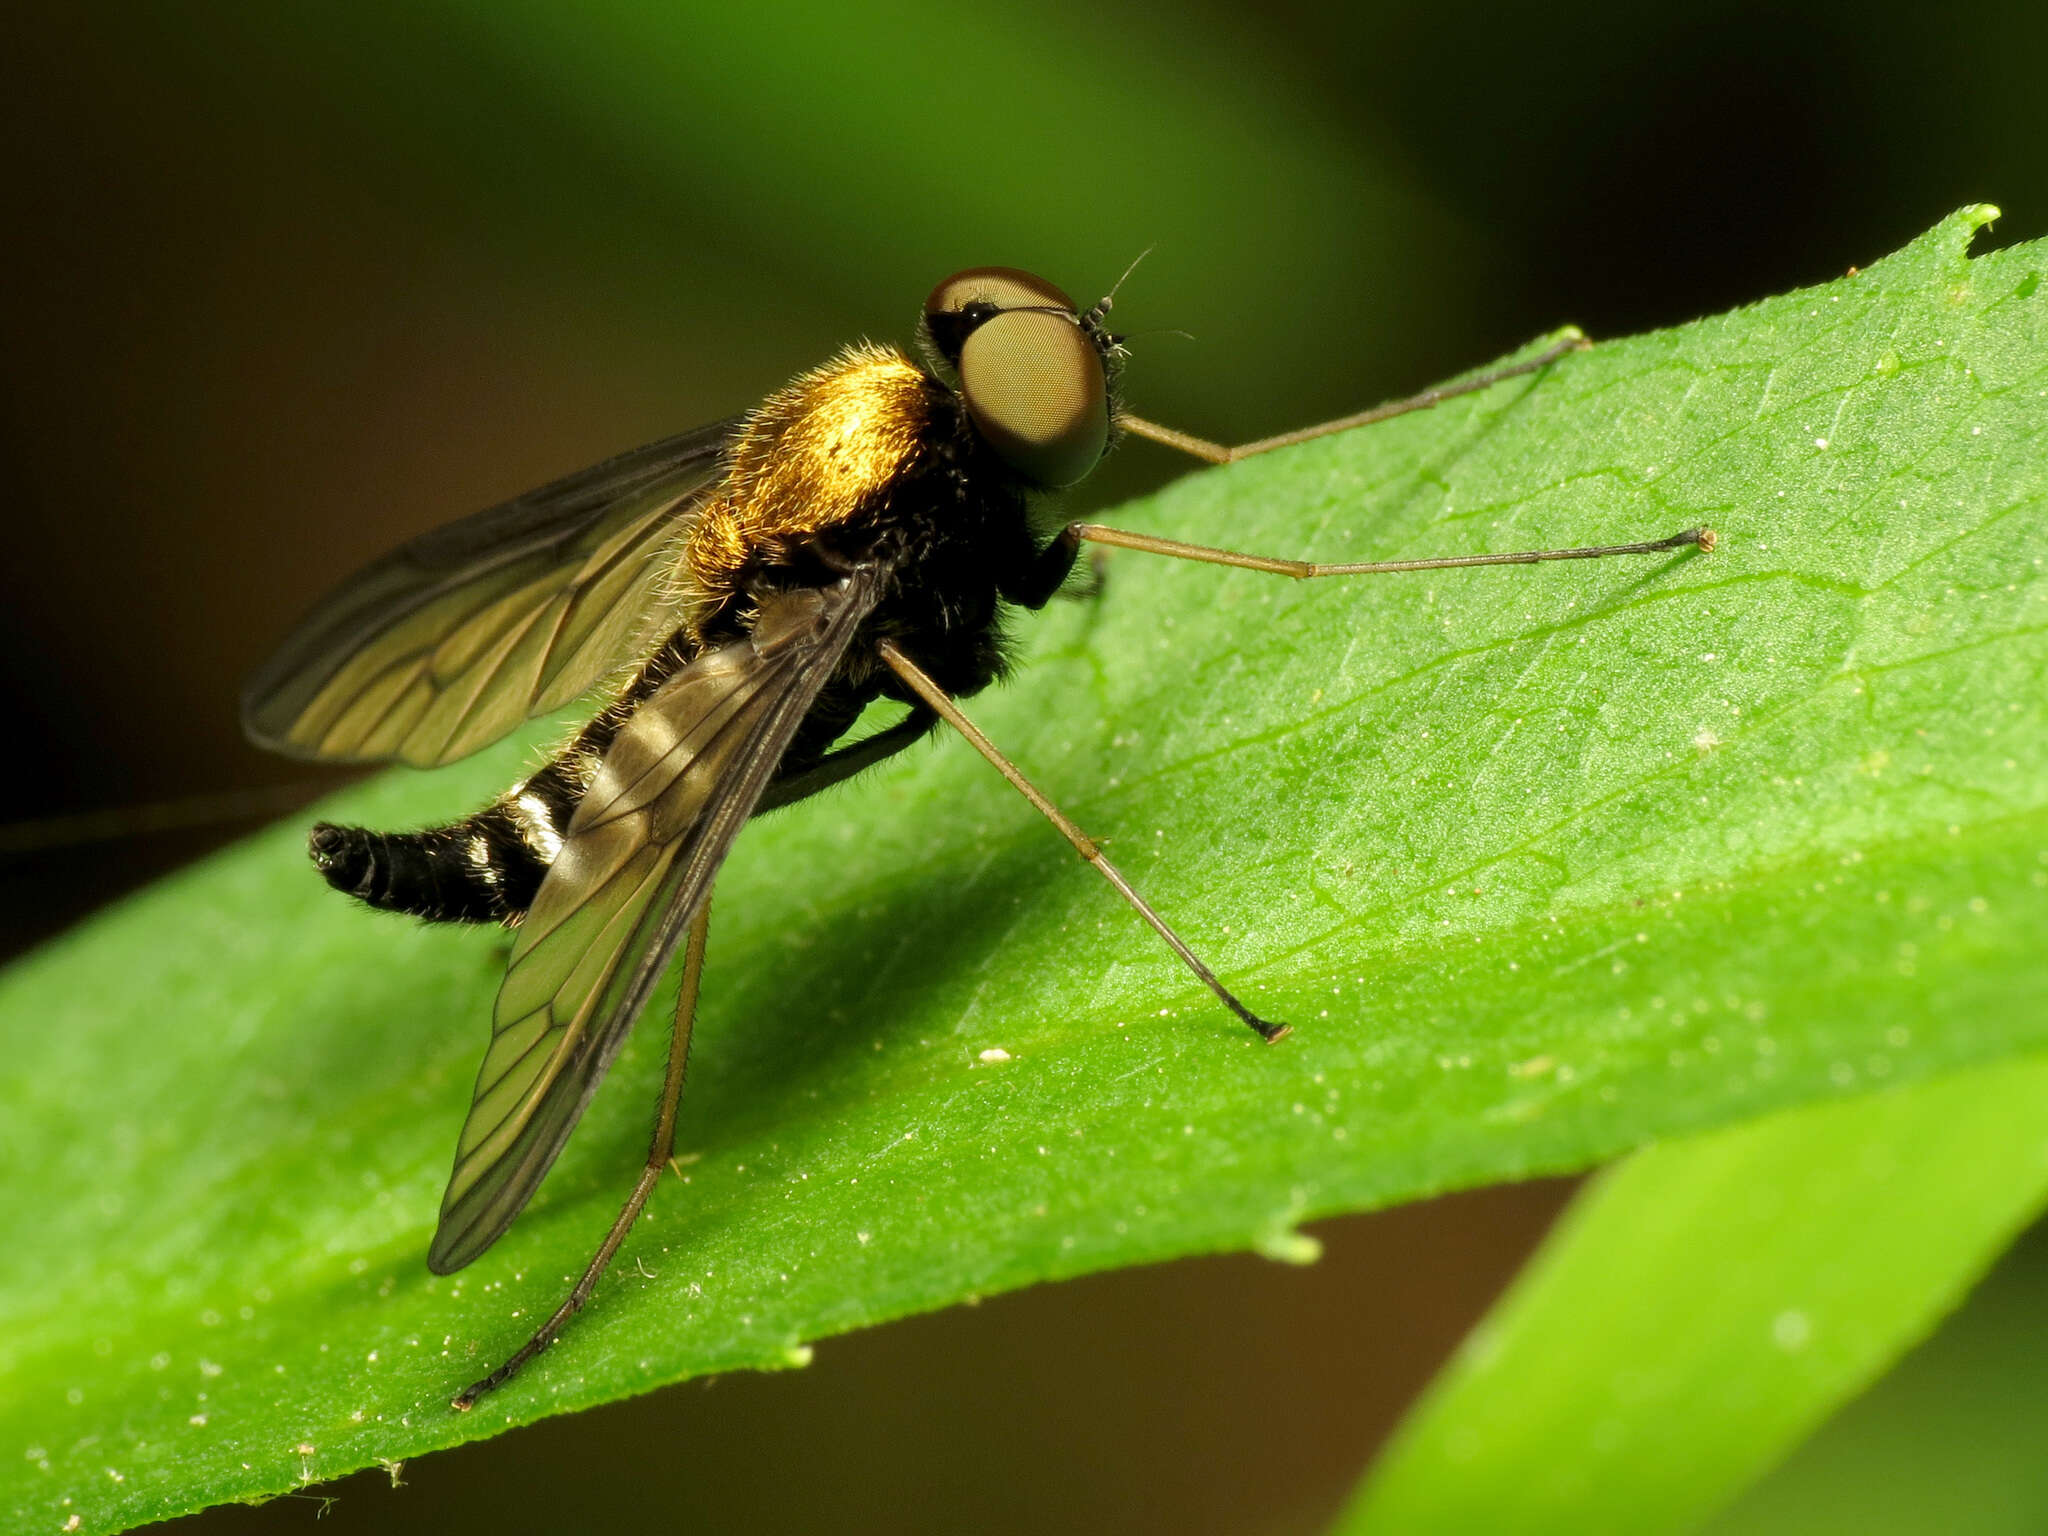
(859, 535)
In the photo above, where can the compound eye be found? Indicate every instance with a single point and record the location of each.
(1034, 388)
(997, 288)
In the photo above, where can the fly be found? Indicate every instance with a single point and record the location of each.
(757, 584)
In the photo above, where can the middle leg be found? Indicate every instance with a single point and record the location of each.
(941, 704)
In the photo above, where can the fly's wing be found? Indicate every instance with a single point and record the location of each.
(450, 641)
(636, 867)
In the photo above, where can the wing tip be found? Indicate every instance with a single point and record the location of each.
(456, 1247)
(257, 714)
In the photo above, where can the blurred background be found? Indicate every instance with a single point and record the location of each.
(290, 283)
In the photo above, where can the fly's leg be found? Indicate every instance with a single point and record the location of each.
(841, 764)
(1574, 340)
(658, 1153)
(1302, 570)
(1065, 547)
(941, 704)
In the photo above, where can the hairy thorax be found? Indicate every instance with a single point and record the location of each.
(820, 453)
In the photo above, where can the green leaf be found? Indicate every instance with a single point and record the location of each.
(1958, 1426)
(1703, 1306)
(1541, 863)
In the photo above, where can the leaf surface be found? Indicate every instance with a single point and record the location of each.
(1705, 1304)
(1541, 863)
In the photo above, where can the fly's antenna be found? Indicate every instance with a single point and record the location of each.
(1092, 320)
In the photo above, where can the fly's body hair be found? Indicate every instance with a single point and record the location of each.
(486, 867)
(868, 460)
(750, 589)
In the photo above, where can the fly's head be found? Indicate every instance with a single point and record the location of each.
(1031, 369)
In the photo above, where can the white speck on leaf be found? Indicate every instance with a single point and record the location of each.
(1791, 1329)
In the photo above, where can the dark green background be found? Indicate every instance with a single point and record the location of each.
(290, 283)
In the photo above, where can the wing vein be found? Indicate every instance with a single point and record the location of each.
(684, 774)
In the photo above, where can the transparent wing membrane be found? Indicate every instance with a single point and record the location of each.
(647, 840)
(452, 640)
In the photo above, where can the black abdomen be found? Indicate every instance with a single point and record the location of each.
(479, 870)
